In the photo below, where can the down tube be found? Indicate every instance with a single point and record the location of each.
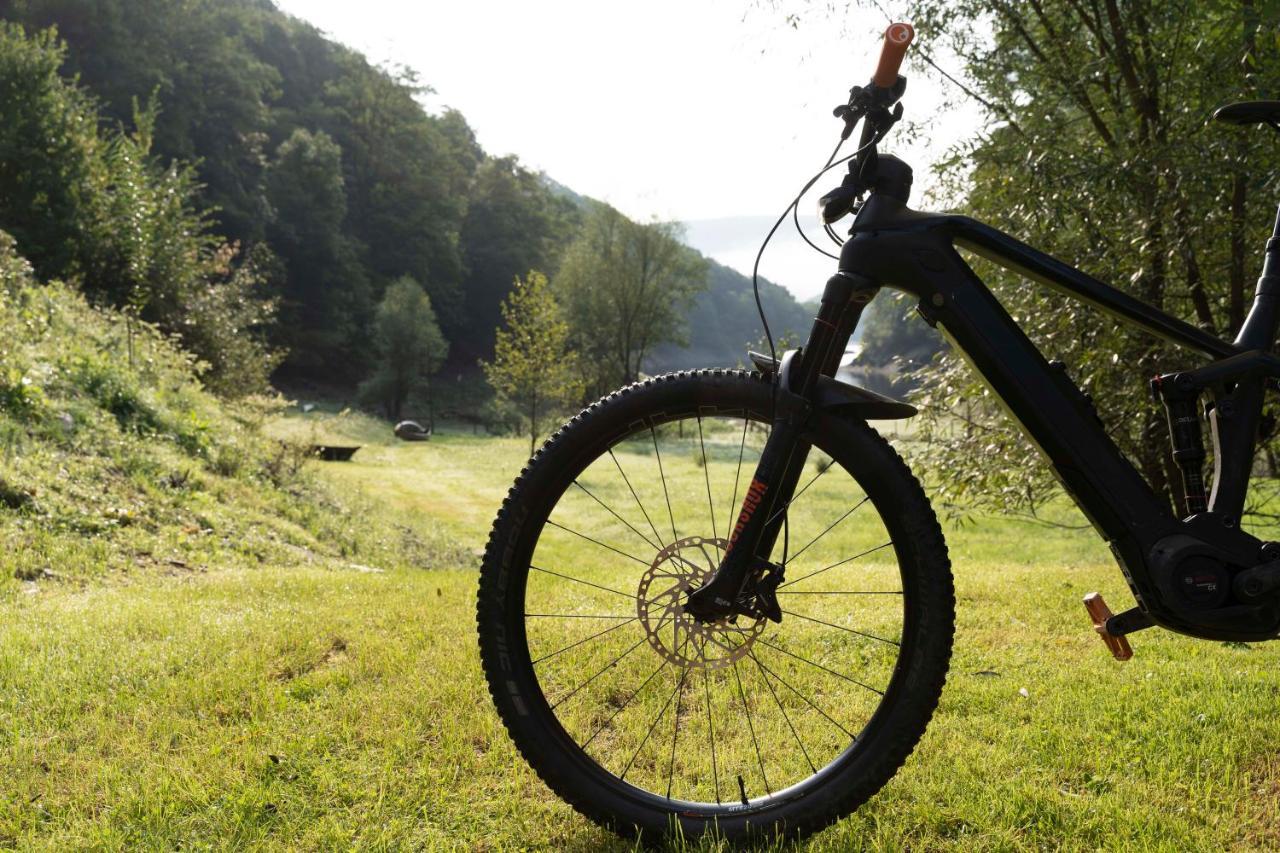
(1050, 410)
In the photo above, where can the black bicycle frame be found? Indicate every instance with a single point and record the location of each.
(914, 252)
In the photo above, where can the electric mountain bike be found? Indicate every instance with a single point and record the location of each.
(719, 602)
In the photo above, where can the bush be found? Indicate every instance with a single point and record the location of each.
(93, 206)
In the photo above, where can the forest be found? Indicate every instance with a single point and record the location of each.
(278, 184)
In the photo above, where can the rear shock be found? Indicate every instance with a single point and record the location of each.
(1181, 400)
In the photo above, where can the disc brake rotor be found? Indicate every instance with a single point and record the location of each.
(682, 566)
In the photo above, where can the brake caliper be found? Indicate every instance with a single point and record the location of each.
(759, 597)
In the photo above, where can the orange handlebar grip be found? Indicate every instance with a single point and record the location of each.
(896, 40)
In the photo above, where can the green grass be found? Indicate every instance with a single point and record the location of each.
(319, 699)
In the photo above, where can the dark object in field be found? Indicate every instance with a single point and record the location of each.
(333, 453)
(412, 431)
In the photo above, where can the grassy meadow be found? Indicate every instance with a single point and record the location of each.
(317, 696)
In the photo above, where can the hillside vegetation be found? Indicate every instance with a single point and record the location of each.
(328, 180)
(115, 461)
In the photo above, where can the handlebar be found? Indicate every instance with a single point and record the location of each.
(896, 40)
(877, 105)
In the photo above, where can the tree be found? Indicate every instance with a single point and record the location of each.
(1097, 151)
(895, 344)
(533, 368)
(514, 223)
(196, 59)
(327, 304)
(235, 80)
(407, 181)
(95, 206)
(410, 349)
(628, 287)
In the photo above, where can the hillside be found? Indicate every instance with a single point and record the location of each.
(327, 171)
(724, 322)
(115, 462)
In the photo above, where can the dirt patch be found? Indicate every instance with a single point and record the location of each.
(1257, 811)
(335, 654)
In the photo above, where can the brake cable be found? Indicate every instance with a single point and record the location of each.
(755, 269)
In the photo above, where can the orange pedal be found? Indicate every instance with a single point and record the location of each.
(1099, 612)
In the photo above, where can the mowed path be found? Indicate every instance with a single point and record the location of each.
(324, 705)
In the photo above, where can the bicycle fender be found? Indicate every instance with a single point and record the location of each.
(839, 397)
(849, 400)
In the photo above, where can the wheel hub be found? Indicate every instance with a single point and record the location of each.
(678, 569)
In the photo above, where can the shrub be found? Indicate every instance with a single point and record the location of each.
(94, 206)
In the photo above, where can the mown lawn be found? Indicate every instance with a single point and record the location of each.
(325, 702)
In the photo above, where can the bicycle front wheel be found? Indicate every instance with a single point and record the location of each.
(647, 720)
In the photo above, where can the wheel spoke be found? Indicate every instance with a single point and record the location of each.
(752, 728)
(774, 694)
(764, 642)
(575, 615)
(806, 699)
(840, 592)
(658, 455)
(598, 542)
(577, 645)
(841, 563)
(711, 728)
(608, 630)
(841, 628)
(624, 705)
(619, 517)
(675, 735)
(814, 540)
(630, 488)
(653, 726)
(599, 673)
(797, 495)
(581, 581)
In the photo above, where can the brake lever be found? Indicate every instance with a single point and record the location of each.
(838, 203)
(870, 99)
(851, 116)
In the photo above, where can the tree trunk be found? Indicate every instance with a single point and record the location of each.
(1239, 180)
(431, 406)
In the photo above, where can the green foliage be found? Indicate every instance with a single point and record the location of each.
(533, 368)
(326, 303)
(195, 59)
(271, 695)
(895, 343)
(51, 155)
(410, 346)
(1097, 150)
(115, 458)
(408, 180)
(96, 207)
(328, 175)
(514, 223)
(627, 287)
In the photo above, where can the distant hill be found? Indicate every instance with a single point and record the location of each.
(724, 322)
(788, 260)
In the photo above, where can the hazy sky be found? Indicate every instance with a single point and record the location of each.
(692, 110)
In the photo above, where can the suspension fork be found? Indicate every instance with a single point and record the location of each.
(754, 535)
